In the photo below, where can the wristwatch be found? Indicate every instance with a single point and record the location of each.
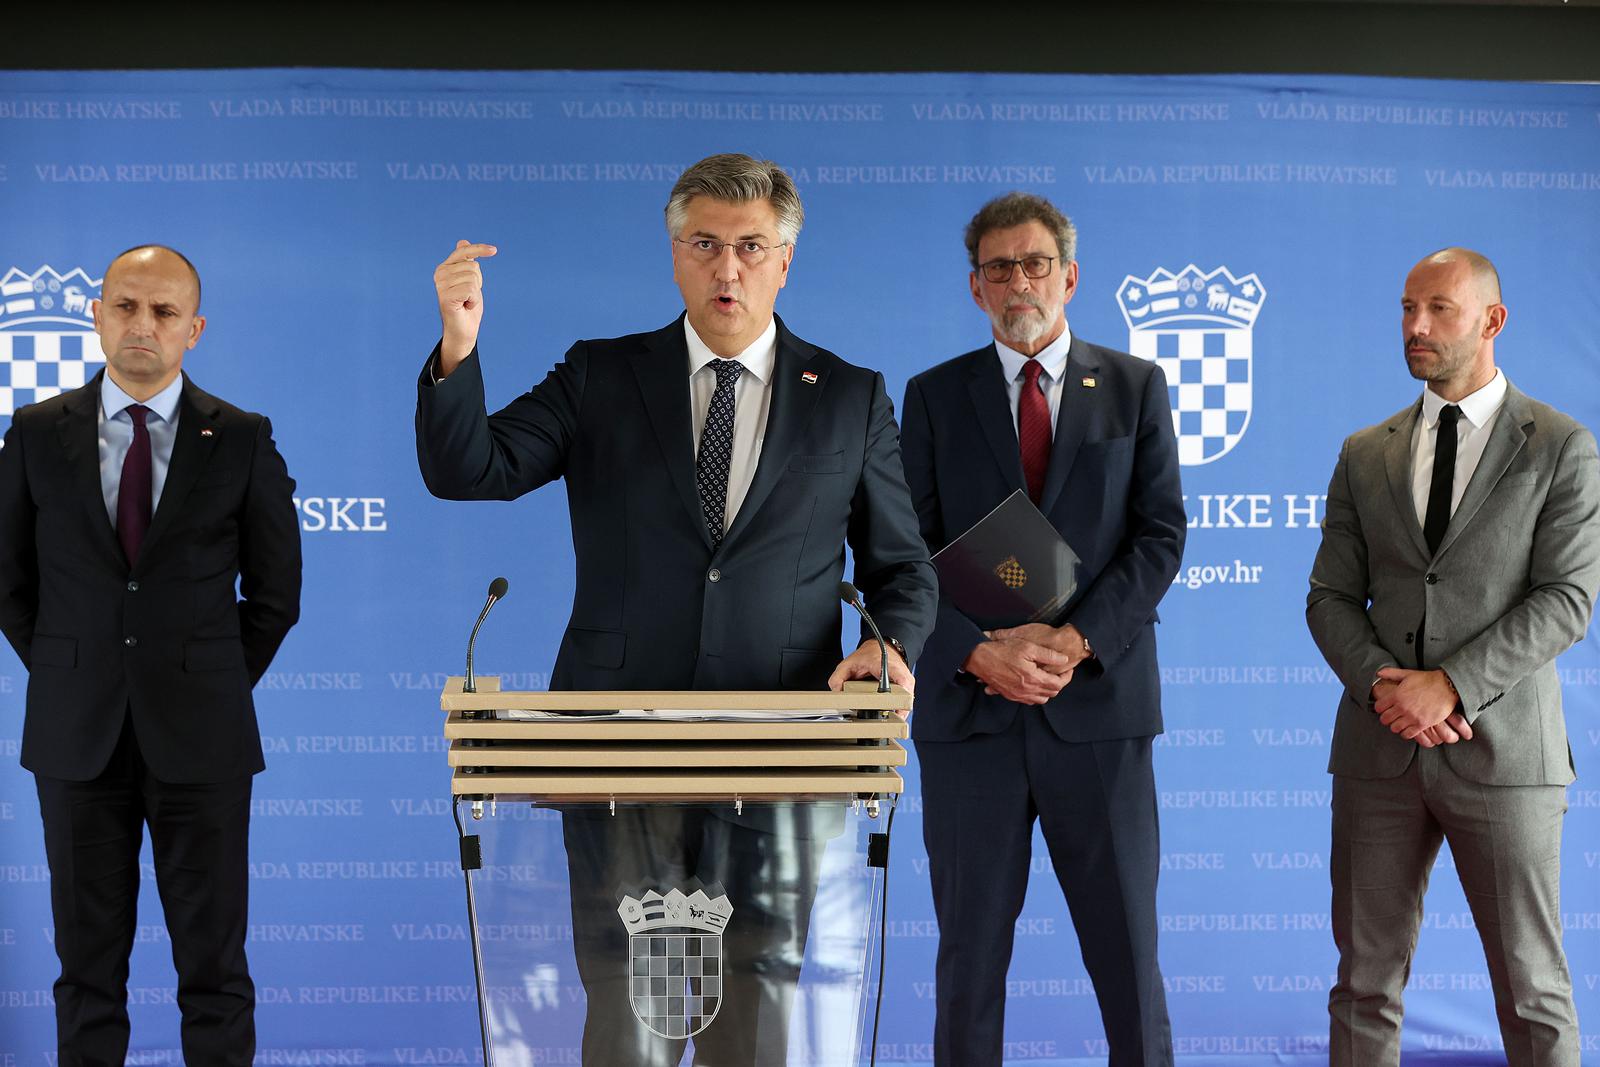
(894, 643)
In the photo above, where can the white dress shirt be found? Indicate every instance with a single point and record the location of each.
(1052, 362)
(1478, 413)
(752, 395)
(116, 436)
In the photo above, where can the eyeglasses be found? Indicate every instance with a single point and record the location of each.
(707, 249)
(999, 271)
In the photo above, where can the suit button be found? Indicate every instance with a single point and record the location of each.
(1431, 579)
(133, 587)
(1410, 638)
(713, 575)
(130, 641)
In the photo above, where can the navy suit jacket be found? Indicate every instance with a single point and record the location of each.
(1113, 492)
(656, 607)
(168, 640)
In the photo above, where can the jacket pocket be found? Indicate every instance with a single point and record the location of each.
(214, 479)
(599, 648)
(213, 654)
(806, 668)
(48, 650)
(832, 463)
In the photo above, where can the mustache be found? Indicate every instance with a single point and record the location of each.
(1416, 342)
(1023, 298)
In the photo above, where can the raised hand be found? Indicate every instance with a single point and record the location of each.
(459, 284)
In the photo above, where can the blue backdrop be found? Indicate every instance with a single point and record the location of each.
(316, 204)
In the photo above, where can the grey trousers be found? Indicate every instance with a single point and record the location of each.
(1506, 842)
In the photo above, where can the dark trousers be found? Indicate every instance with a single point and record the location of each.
(1096, 803)
(199, 837)
(766, 861)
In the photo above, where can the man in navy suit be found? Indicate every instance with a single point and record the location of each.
(1046, 722)
(149, 570)
(715, 469)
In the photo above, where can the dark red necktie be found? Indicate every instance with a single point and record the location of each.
(1033, 430)
(133, 497)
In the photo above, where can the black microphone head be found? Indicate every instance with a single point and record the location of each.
(498, 587)
(847, 593)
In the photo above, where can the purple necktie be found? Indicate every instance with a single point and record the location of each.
(1033, 430)
(133, 497)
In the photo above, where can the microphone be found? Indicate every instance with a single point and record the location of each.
(497, 591)
(849, 595)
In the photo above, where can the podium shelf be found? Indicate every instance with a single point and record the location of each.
(586, 728)
(749, 783)
(656, 755)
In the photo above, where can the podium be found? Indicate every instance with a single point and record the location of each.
(657, 878)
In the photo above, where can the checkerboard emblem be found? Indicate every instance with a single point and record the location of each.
(675, 956)
(47, 339)
(1197, 327)
(1011, 573)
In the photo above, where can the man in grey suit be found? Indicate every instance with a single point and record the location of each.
(1460, 555)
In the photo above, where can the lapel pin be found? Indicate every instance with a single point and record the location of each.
(809, 377)
(1087, 383)
(207, 432)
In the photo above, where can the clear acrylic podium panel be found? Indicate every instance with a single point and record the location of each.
(676, 933)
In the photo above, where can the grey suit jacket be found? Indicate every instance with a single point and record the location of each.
(1512, 586)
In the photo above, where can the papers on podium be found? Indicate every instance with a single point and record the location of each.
(674, 715)
(1011, 568)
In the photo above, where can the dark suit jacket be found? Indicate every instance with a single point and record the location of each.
(1112, 491)
(168, 639)
(655, 607)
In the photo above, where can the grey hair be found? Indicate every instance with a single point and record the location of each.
(738, 179)
(1017, 209)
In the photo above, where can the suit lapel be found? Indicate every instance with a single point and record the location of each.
(192, 446)
(993, 409)
(79, 432)
(662, 368)
(789, 411)
(1506, 440)
(1071, 420)
(1397, 465)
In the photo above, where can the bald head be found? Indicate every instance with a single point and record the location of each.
(157, 256)
(1485, 279)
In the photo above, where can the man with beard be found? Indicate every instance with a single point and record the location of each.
(1041, 722)
(1460, 555)
(715, 470)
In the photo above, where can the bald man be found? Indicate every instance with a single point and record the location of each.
(129, 510)
(1460, 555)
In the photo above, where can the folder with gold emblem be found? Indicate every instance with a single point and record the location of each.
(1010, 568)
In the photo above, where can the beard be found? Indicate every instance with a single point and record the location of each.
(1022, 327)
(1449, 358)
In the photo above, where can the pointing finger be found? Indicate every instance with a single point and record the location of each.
(466, 251)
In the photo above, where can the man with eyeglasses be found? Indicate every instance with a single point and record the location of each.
(1052, 723)
(715, 470)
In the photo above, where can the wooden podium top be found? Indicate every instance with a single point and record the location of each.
(857, 696)
(672, 758)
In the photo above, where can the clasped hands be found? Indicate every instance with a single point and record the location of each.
(1027, 664)
(1420, 706)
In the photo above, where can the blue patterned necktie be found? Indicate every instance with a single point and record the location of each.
(716, 448)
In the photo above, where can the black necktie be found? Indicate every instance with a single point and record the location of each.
(1444, 476)
(716, 448)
